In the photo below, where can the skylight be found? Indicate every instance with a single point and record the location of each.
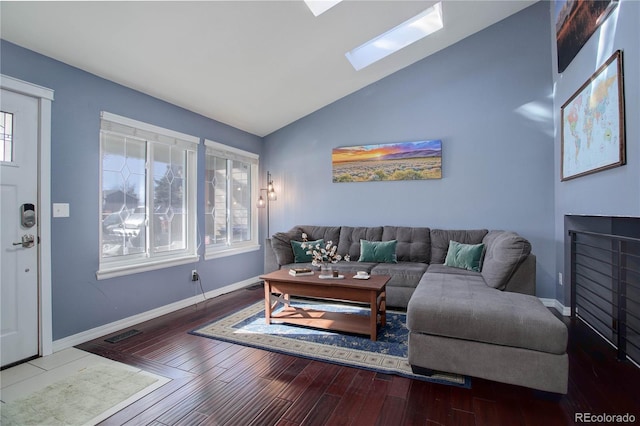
(397, 38)
(318, 7)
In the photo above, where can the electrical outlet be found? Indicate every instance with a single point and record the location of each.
(194, 275)
(560, 278)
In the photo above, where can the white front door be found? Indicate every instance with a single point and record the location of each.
(19, 234)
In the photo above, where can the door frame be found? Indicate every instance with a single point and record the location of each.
(45, 98)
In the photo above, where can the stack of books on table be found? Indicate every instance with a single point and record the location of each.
(298, 272)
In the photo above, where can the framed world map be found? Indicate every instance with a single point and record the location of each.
(592, 127)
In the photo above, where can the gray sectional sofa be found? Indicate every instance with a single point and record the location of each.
(485, 323)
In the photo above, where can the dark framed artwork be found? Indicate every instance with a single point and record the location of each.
(576, 21)
(592, 126)
(392, 161)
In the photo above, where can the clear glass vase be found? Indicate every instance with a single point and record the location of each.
(326, 270)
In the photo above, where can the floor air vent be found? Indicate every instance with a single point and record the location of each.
(122, 336)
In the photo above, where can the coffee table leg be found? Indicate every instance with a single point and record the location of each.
(267, 302)
(383, 308)
(374, 316)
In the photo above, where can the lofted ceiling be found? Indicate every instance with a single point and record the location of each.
(255, 65)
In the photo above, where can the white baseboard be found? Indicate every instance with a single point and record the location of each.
(554, 303)
(94, 333)
(103, 330)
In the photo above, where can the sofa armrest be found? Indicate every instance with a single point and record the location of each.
(523, 279)
(270, 261)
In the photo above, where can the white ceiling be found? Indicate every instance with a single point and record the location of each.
(255, 65)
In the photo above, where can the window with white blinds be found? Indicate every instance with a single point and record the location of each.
(231, 191)
(148, 194)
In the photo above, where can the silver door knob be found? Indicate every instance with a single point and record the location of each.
(28, 241)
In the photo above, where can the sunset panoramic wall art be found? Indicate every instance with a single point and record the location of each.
(393, 161)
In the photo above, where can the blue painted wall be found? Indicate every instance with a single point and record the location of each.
(489, 98)
(492, 98)
(80, 302)
(616, 191)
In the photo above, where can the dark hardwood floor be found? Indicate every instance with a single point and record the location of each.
(220, 383)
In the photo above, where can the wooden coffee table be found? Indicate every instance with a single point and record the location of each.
(280, 285)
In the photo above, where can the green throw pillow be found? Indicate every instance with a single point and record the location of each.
(465, 256)
(300, 254)
(378, 251)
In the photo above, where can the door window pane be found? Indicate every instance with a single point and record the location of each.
(6, 137)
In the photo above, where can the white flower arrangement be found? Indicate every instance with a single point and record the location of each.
(322, 255)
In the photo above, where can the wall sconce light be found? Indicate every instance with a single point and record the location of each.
(271, 196)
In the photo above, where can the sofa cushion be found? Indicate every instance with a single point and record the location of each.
(281, 241)
(281, 245)
(463, 307)
(378, 251)
(326, 233)
(439, 268)
(440, 241)
(504, 252)
(300, 254)
(464, 256)
(353, 267)
(350, 239)
(414, 244)
(403, 274)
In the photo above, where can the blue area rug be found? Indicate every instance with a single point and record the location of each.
(386, 355)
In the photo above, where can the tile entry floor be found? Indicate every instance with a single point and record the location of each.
(24, 379)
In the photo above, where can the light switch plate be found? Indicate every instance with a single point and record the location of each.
(60, 209)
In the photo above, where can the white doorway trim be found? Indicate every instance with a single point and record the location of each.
(45, 97)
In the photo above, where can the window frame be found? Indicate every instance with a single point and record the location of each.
(229, 248)
(152, 136)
